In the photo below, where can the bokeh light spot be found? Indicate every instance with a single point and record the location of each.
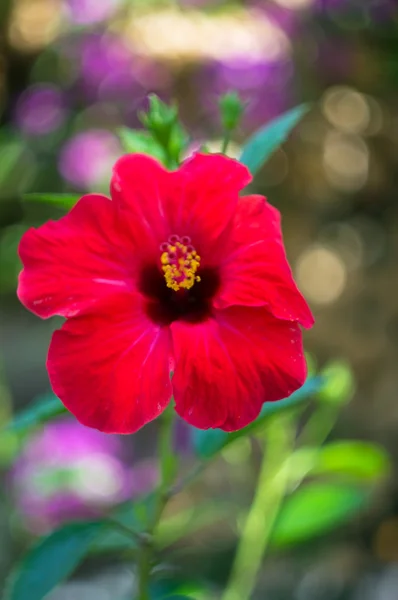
(321, 274)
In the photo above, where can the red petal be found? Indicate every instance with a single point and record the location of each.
(140, 188)
(255, 271)
(198, 200)
(71, 263)
(111, 368)
(209, 186)
(216, 384)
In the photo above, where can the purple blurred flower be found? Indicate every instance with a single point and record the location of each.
(109, 72)
(88, 12)
(86, 160)
(40, 110)
(68, 471)
(263, 84)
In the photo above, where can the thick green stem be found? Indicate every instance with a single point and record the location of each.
(167, 461)
(144, 570)
(271, 488)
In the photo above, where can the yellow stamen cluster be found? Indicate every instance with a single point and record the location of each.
(180, 263)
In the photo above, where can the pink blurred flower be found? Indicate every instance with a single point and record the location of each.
(40, 110)
(88, 12)
(86, 160)
(68, 471)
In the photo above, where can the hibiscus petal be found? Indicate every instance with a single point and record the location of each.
(216, 384)
(111, 368)
(198, 200)
(72, 263)
(208, 193)
(140, 188)
(254, 269)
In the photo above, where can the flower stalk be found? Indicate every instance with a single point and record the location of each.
(167, 463)
(271, 489)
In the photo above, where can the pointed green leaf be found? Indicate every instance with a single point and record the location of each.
(65, 201)
(43, 409)
(210, 441)
(316, 509)
(51, 561)
(266, 140)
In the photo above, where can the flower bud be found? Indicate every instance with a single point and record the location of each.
(231, 110)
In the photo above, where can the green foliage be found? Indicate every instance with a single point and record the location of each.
(42, 410)
(11, 149)
(178, 597)
(162, 123)
(339, 385)
(352, 460)
(266, 140)
(160, 118)
(132, 517)
(359, 460)
(64, 201)
(51, 561)
(171, 589)
(135, 141)
(210, 441)
(10, 263)
(316, 509)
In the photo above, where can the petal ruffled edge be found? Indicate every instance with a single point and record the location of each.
(255, 270)
(216, 385)
(72, 263)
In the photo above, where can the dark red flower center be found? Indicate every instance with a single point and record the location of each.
(179, 288)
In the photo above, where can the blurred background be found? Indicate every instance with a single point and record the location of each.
(71, 73)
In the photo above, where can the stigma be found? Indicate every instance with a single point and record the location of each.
(180, 263)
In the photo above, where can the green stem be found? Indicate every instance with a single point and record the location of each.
(319, 425)
(226, 140)
(271, 488)
(167, 462)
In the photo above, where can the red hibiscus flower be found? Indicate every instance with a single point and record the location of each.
(176, 272)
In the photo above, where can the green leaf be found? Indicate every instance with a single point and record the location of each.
(172, 589)
(361, 460)
(210, 441)
(316, 509)
(64, 201)
(51, 561)
(266, 140)
(136, 141)
(11, 152)
(10, 262)
(43, 409)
